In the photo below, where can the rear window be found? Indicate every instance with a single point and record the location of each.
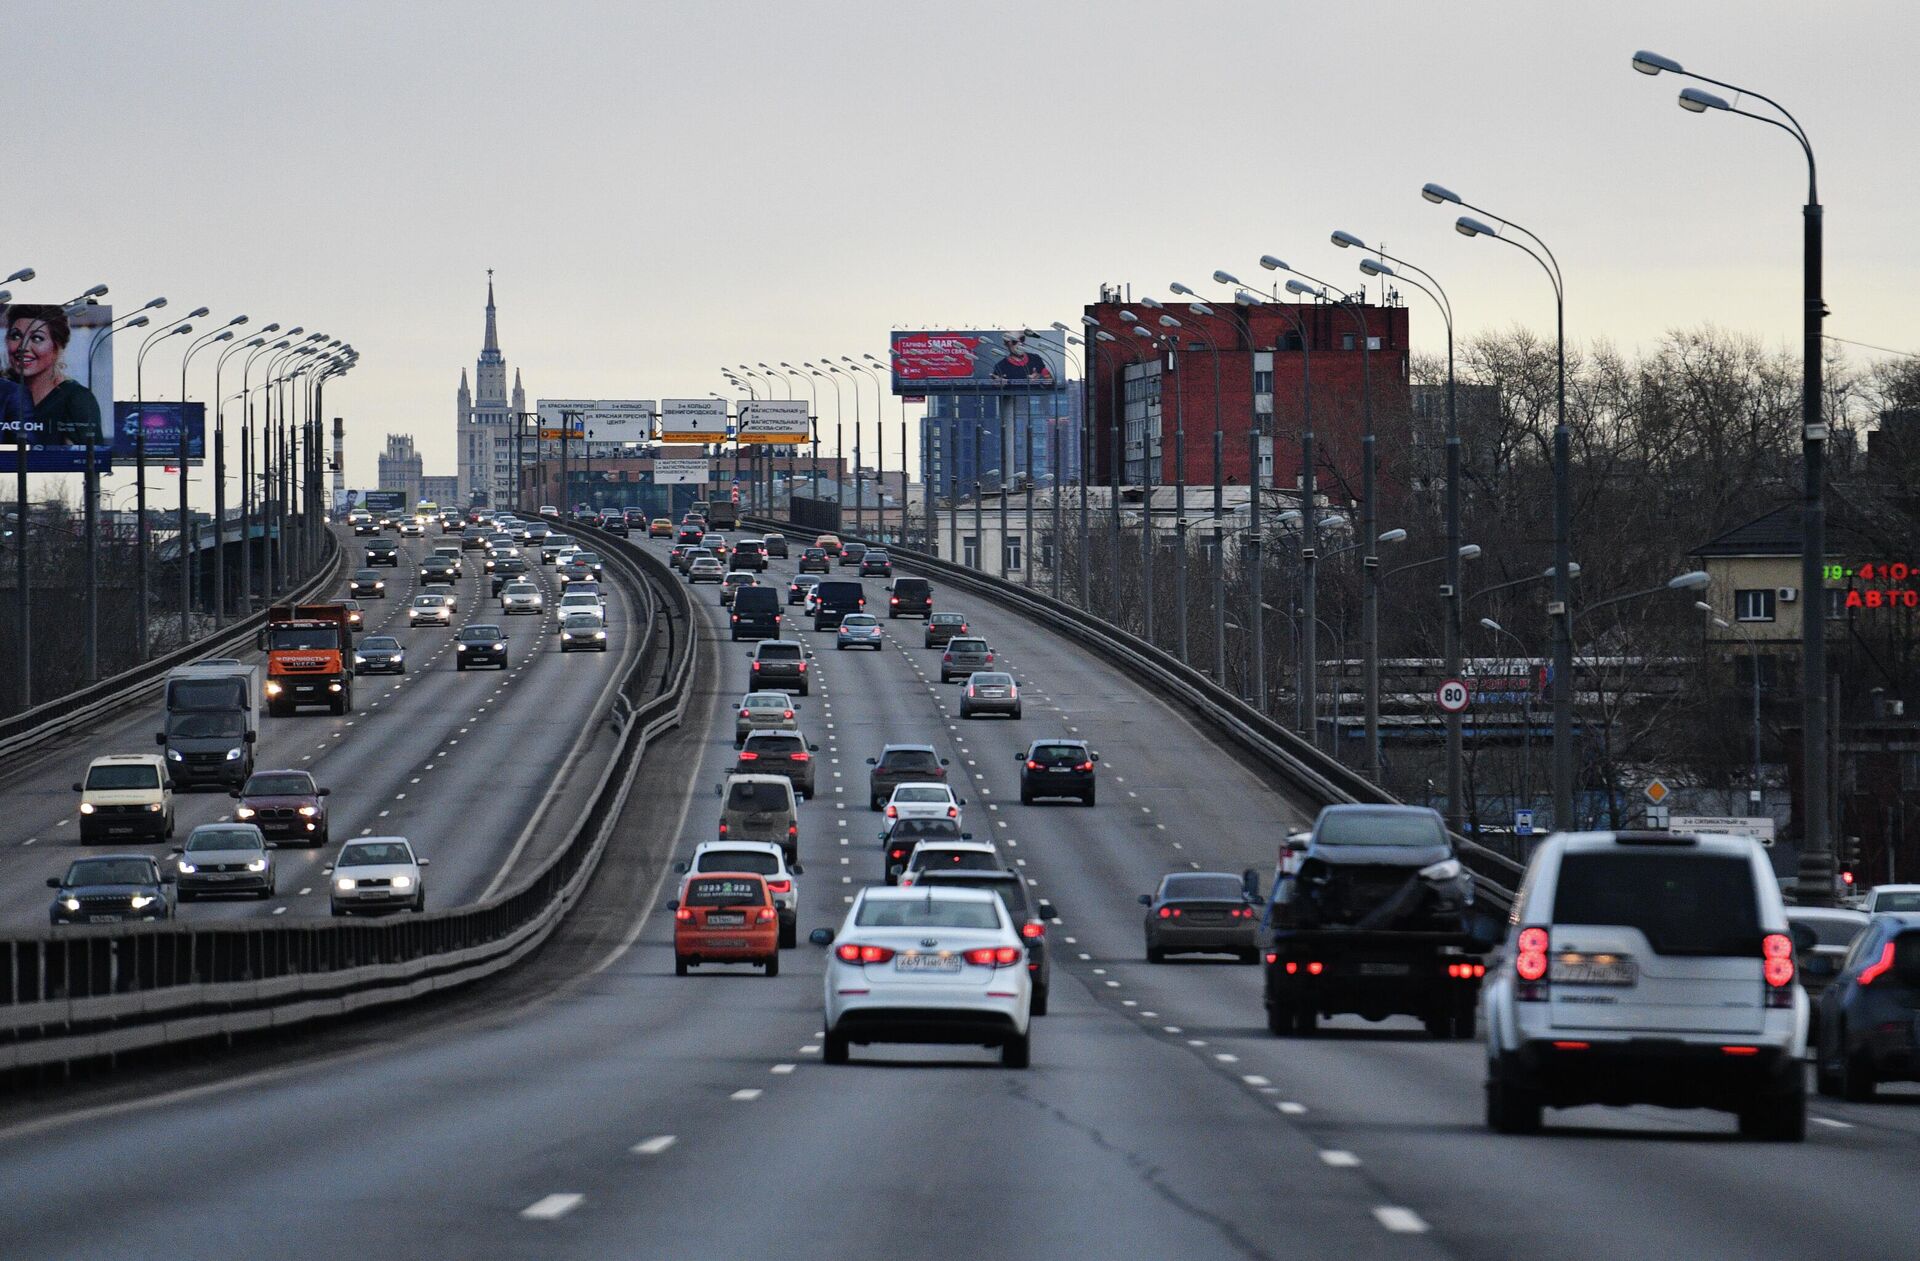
(726, 892)
(848, 593)
(129, 776)
(1013, 895)
(776, 744)
(780, 652)
(967, 645)
(923, 829)
(989, 679)
(1685, 904)
(1896, 902)
(947, 619)
(910, 760)
(928, 912)
(920, 792)
(959, 860)
(755, 860)
(1382, 827)
(1222, 888)
(757, 600)
(754, 797)
(1058, 754)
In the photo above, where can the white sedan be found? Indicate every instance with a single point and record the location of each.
(377, 873)
(934, 965)
(430, 610)
(520, 597)
(924, 801)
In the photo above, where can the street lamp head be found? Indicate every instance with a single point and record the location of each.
(1152, 304)
(1058, 327)
(1129, 317)
(1721, 622)
(99, 291)
(1182, 290)
(1242, 298)
(154, 305)
(1690, 581)
(1573, 570)
(1141, 332)
(1467, 225)
(1087, 321)
(1469, 551)
(296, 330)
(1302, 287)
(194, 314)
(1103, 335)
(1653, 63)
(1374, 267)
(1200, 308)
(1225, 278)
(1074, 341)
(1290, 517)
(24, 274)
(138, 321)
(1271, 263)
(1491, 625)
(236, 321)
(1393, 536)
(258, 341)
(224, 336)
(1346, 239)
(271, 328)
(1437, 193)
(1695, 101)
(1168, 321)
(1703, 606)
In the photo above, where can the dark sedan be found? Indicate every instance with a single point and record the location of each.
(438, 571)
(1868, 1032)
(1057, 768)
(285, 805)
(690, 535)
(111, 889)
(798, 589)
(876, 565)
(851, 554)
(505, 570)
(380, 654)
(480, 644)
(779, 753)
(367, 584)
(221, 858)
(1201, 912)
(815, 561)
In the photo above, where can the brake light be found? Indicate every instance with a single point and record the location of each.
(1316, 968)
(1273, 957)
(736, 617)
(749, 756)
(995, 956)
(1873, 971)
(1033, 765)
(780, 886)
(897, 852)
(803, 667)
(851, 953)
(946, 656)
(1740, 1050)
(1084, 766)
(1033, 928)
(683, 913)
(1777, 950)
(953, 812)
(895, 600)
(989, 658)
(766, 915)
(1292, 967)
(723, 827)
(747, 713)
(969, 689)
(893, 812)
(792, 830)
(1169, 912)
(863, 602)
(1573, 1046)
(756, 667)
(798, 757)
(1466, 971)
(786, 713)
(1531, 963)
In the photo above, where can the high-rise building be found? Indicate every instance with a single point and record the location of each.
(439, 489)
(400, 468)
(953, 420)
(485, 422)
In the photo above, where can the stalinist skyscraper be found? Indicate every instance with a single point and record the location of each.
(485, 422)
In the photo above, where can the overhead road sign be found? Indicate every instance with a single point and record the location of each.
(702, 420)
(675, 471)
(609, 420)
(782, 421)
(1761, 828)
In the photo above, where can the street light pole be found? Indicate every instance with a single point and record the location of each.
(176, 328)
(188, 540)
(220, 475)
(250, 465)
(1816, 875)
(92, 492)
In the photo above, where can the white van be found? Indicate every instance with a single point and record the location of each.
(126, 794)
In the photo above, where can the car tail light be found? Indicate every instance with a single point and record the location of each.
(1466, 971)
(736, 617)
(683, 914)
(1033, 765)
(1572, 1046)
(1292, 967)
(786, 713)
(1530, 965)
(792, 830)
(749, 756)
(766, 915)
(896, 853)
(1315, 968)
(1777, 950)
(863, 602)
(893, 812)
(780, 886)
(1875, 970)
(989, 658)
(1739, 1050)
(995, 956)
(1169, 912)
(947, 657)
(1084, 766)
(799, 757)
(756, 667)
(953, 812)
(851, 953)
(747, 713)
(969, 689)
(803, 667)
(894, 600)
(723, 827)
(1033, 928)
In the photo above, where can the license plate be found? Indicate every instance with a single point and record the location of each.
(103, 919)
(373, 893)
(119, 830)
(1384, 969)
(221, 875)
(1592, 972)
(926, 963)
(1060, 770)
(726, 920)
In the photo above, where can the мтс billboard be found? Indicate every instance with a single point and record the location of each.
(942, 361)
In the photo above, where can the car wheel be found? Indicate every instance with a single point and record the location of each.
(1826, 1078)
(1017, 1052)
(1779, 1117)
(679, 965)
(834, 1049)
(1040, 994)
(1510, 1109)
(420, 903)
(965, 712)
(789, 935)
(1250, 956)
(1279, 1019)
(1439, 1027)
(460, 666)
(181, 896)
(1026, 798)
(1857, 1083)
(1016, 713)
(772, 964)
(1156, 954)
(1088, 799)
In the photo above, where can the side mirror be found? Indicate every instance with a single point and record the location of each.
(423, 862)
(172, 784)
(77, 788)
(53, 882)
(681, 868)
(716, 790)
(962, 801)
(175, 852)
(1250, 882)
(233, 793)
(943, 761)
(814, 748)
(673, 904)
(327, 870)
(326, 792)
(1047, 911)
(1146, 899)
(250, 737)
(1020, 757)
(821, 936)
(872, 761)
(159, 737)
(797, 870)
(1093, 757)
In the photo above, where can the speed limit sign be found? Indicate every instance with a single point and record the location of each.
(1452, 696)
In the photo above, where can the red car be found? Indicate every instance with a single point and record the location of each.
(725, 917)
(284, 805)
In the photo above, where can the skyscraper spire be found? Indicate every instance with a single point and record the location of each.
(493, 334)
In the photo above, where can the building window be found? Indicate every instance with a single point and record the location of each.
(1753, 605)
(1013, 551)
(970, 550)
(1263, 382)
(1346, 341)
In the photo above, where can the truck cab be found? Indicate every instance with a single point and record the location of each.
(309, 651)
(210, 724)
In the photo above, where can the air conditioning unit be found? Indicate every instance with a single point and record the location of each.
(1787, 595)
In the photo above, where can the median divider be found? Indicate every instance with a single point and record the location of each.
(1308, 773)
(91, 993)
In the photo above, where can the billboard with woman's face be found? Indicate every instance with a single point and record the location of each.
(932, 362)
(56, 386)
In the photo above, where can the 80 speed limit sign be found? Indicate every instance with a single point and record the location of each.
(1452, 696)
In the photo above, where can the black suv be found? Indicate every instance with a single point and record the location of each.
(480, 644)
(1392, 867)
(815, 561)
(779, 665)
(614, 524)
(909, 597)
(367, 585)
(473, 538)
(111, 888)
(749, 554)
(1057, 768)
(902, 764)
(383, 552)
(836, 599)
(756, 613)
(1031, 917)
(876, 565)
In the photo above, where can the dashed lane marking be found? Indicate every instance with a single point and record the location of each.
(1401, 1221)
(653, 1146)
(549, 1207)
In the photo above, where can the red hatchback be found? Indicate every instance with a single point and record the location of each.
(725, 917)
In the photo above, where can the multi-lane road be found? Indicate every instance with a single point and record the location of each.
(633, 1113)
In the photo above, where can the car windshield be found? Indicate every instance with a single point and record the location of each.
(957, 859)
(279, 784)
(779, 652)
(1380, 827)
(131, 775)
(726, 891)
(755, 796)
(739, 578)
(522, 588)
(581, 621)
(367, 575)
(429, 601)
(1901, 901)
(304, 637)
(375, 853)
(218, 838)
(920, 792)
(1685, 903)
(206, 726)
(479, 632)
(1205, 885)
(765, 862)
(926, 912)
(379, 643)
(110, 871)
(909, 760)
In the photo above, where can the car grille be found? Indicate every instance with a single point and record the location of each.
(106, 901)
(111, 810)
(205, 759)
(372, 882)
(221, 868)
(276, 814)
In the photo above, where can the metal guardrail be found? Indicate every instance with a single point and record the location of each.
(67, 713)
(88, 993)
(1307, 771)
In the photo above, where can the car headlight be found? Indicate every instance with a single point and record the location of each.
(258, 864)
(140, 900)
(499, 647)
(359, 660)
(187, 868)
(1445, 869)
(345, 884)
(244, 812)
(333, 687)
(403, 882)
(173, 755)
(86, 807)
(236, 753)
(154, 807)
(599, 634)
(380, 586)
(273, 689)
(459, 647)
(309, 811)
(70, 902)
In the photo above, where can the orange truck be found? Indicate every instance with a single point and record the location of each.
(309, 651)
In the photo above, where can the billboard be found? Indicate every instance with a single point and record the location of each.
(384, 501)
(943, 361)
(162, 424)
(693, 420)
(679, 472)
(48, 343)
(608, 420)
(783, 421)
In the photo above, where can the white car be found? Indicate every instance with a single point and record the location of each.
(411, 529)
(924, 801)
(520, 597)
(582, 602)
(548, 510)
(762, 858)
(934, 965)
(1648, 967)
(376, 873)
(430, 610)
(945, 855)
(1892, 897)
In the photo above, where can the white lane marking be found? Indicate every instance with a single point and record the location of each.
(1196, 1041)
(653, 1146)
(279, 910)
(1402, 1221)
(30, 840)
(1225, 1058)
(304, 892)
(1128, 1002)
(746, 1096)
(549, 1207)
(1833, 1124)
(1112, 985)
(1340, 1159)
(810, 1049)
(781, 1068)
(385, 813)
(1253, 1079)
(1291, 1108)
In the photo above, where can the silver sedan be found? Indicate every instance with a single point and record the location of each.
(224, 858)
(377, 873)
(520, 597)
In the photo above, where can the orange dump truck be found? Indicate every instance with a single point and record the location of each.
(309, 651)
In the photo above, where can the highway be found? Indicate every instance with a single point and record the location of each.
(457, 762)
(627, 1112)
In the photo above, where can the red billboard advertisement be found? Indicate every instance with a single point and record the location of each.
(935, 360)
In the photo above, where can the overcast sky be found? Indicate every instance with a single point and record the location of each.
(666, 187)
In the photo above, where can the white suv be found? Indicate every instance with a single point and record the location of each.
(1648, 967)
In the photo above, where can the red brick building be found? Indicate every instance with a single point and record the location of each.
(1256, 356)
